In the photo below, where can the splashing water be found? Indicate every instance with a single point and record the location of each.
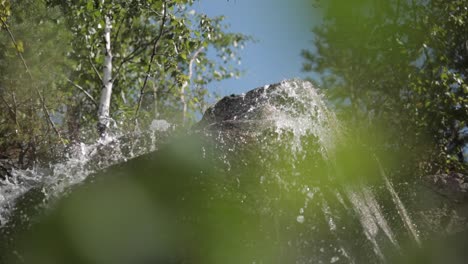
(297, 136)
(307, 116)
(80, 161)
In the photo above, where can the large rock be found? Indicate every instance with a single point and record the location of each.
(288, 111)
(292, 99)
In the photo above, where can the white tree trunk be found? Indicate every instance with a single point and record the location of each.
(155, 98)
(104, 103)
(187, 84)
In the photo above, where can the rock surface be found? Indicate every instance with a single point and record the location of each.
(453, 186)
(293, 98)
(6, 165)
(287, 112)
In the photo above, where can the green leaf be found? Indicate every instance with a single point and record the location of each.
(90, 6)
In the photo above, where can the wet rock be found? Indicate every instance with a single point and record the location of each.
(289, 111)
(6, 165)
(236, 110)
(260, 106)
(453, 185)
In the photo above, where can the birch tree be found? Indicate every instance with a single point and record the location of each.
(124, 47)
(102, 62)
(107, 82)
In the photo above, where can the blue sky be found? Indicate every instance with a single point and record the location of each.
(282, 29)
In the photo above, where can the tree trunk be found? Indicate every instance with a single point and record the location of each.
(187, 85)
(155, 100)
(104, 103)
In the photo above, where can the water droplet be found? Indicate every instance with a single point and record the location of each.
(300, 219)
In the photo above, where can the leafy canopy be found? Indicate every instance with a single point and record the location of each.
(400, 65)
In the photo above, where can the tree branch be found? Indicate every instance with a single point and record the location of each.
(153, 53)
(95, 69)
(137, 51)
(11, 111)
(90, 97)
(128, 58)
(41, 98)
(117, 33)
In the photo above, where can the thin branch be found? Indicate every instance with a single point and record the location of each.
(41, 98)
(153, 53)
(133, 54)
(11, 111)
(128, 58)
(17, 49)
(116, 36)
(114, 40)
(90, 97)
(95, 69)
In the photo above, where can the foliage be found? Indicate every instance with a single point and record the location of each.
(4, 10)
(399, 65)
(137, 26)
(29, 58)
(164, 55)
